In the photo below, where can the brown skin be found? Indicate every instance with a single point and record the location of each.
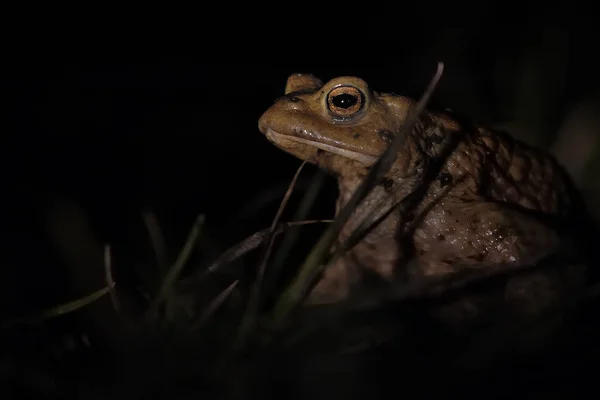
(489, 203)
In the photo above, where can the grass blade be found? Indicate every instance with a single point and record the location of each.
(157, 240)
(109, 279)
(214, 305)
(175, 270)
(58, 310)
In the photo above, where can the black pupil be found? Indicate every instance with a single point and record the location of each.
(344, 100)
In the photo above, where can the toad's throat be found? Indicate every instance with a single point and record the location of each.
(283, 139)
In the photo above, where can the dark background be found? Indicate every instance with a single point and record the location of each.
(180, 136)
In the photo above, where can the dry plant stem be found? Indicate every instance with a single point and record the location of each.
(243, 247)
(109, 279)
(271, 237)
(313, 263)
(365, 227)
(156, 239)
(303, 209)
(254, 300)
(58, 310)
(175, 270)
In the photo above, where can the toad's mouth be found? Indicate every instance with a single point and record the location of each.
(283, 139)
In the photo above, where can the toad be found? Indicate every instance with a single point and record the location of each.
(488, 203)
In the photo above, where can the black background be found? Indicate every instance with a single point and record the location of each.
(179, 135)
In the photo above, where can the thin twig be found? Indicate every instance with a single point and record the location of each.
(313, 263)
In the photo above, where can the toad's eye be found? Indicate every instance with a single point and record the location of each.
(345, 101)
